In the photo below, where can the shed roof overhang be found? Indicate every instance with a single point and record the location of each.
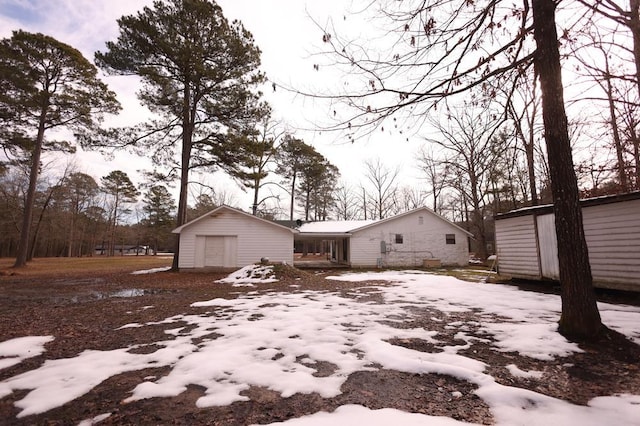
(586, 202)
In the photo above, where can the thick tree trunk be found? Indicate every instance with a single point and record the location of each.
(71, 236)
(256, 189)
(580, 317)
(36, 231)
(636, 155)
(478, 221)
(187, 142)
(634, 25)
(364, 203)
(182, 204)
(114, 225)
(530, 146)
(23, 243)
(293, 194)
(531, 171)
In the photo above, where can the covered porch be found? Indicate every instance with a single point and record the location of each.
(321, 250)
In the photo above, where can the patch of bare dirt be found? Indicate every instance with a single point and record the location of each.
(83, 311)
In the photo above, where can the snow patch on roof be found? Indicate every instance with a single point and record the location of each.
(334, 226)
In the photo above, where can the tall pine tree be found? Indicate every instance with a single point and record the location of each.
(122, 192)
(199, 71)
(159, 209)
(45, 84)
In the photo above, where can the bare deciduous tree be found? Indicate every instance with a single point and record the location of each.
(383, 183)
(435, 171)
(345, 202)
(448, 48)
(409, 198)
(468, 134)
(522, 108)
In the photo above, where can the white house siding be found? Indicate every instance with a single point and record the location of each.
(612, 232)
(254, 239)
(517, 250)
(422, 239)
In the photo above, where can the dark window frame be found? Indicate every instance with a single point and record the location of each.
(399, 239)
(450, 238)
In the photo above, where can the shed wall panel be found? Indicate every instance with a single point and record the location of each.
(517, 250)
(612, 232)
(548, 247)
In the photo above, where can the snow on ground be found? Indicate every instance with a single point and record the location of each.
(516, 372)
(151, 271)
(16, 350)
(249, 275)
(359, 415)
(95, 420)
(277, 339)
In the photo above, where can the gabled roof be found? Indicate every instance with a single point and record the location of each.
(334, 227)
(223, 208)
(410, 212)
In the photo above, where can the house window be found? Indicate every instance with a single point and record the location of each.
(399, 239)
(420, 220)
(451, 238)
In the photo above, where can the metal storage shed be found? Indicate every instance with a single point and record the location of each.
(527, 246)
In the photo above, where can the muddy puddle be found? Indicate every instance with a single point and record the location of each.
(92, 296)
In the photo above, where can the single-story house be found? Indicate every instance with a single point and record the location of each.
(120, 249)
(527, 247)
(229, 238)
(416, 238)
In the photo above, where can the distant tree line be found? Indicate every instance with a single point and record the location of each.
(76, 216)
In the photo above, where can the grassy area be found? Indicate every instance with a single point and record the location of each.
(69, 265)
(52, 266)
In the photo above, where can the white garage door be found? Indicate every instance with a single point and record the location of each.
(221, 251)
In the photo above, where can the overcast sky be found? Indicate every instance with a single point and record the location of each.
(289, 39)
